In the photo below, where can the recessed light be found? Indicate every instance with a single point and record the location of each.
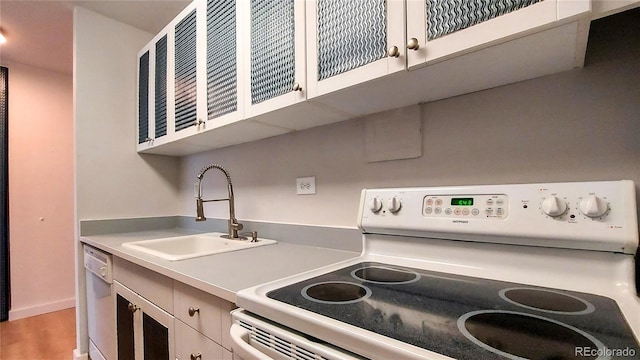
(2, 38)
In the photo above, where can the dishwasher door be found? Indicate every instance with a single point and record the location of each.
(100, 304)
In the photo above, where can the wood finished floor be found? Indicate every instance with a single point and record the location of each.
(49, 336)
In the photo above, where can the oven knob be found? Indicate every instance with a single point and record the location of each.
(553, 206)
(394, 205)
(593, 206)
(376, 205)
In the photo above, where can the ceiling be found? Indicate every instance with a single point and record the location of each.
(40, 33)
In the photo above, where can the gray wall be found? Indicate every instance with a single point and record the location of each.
(575, 126)
(112, 180)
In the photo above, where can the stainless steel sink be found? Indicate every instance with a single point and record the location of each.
(191, 246)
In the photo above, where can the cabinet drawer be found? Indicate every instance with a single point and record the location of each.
(212, 317)
(190, 344)
(151, 285)
(207, 317)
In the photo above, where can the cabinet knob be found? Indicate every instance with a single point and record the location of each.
(413, 44)
(195, 356)
(393, 52)
(296, 87)
(193, 311)
(198, 122)
(132, 307)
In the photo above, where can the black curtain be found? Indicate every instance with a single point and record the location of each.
(4, 194)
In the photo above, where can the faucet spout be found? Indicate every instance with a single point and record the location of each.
(233, 225)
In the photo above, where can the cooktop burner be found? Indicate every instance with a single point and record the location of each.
(464, 317)
(384, 275)
(518, 335)
(547, 301)
(335, 292)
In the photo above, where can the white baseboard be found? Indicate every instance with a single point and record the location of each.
(16, 314)
(78, 356)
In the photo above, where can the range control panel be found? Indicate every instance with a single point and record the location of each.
(599, 215)
(493, 206)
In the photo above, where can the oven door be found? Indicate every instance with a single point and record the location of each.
(254, 338)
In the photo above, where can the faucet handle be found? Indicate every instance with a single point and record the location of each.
(254, 235)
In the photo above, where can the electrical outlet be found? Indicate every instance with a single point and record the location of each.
(306, 185)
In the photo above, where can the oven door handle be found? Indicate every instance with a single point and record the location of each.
(240, 338)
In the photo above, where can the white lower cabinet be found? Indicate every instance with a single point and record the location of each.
(158, 318)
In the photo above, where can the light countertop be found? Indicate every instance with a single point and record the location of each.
(223, 274)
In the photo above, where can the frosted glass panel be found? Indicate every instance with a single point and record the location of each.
(161, 87)
(143, 98)
(186, 72)
(221, 58)
(350, 34)
(448, 16)
(272, 49)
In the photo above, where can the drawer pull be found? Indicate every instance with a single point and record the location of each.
(193, 311)
(197, 356)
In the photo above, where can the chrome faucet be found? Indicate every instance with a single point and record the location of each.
(234, 225)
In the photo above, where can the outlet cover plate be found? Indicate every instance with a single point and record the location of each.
(306, 185)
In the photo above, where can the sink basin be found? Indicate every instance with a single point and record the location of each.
(191, 246)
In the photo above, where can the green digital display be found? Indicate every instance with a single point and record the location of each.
(462, 201)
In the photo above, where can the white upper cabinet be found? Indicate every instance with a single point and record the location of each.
(438, 30)
(456, 47)
(352, 42)
(275, 62)
(226, 72)
(168, 84)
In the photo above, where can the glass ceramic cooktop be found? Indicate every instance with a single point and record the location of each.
(464, 317)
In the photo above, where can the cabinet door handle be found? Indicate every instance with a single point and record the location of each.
(193, 311)
(413, 44)
(296, 87)
(132, 307)
(393, 52)
(195, 356)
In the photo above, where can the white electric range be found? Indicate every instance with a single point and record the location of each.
(526, 271)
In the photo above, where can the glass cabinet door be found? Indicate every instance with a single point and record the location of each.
(439, 29)
(351, 42)
(275, 43)
(143, 330)
(272, 49)
(155, 339)
(125, 329)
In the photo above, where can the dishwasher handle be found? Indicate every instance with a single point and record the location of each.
(241, 346)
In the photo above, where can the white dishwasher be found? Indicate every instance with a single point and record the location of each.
(100, 304)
